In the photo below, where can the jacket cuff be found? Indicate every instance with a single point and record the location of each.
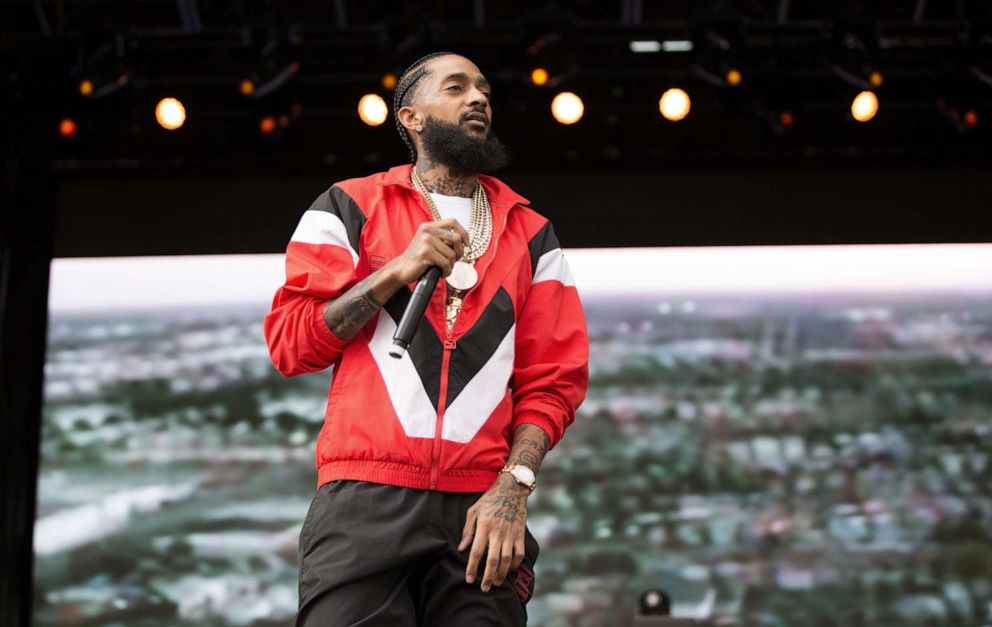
(538, 420)
(326, 342)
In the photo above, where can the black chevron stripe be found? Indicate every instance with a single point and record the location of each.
(425, 348)
(477, 346)
(336, 201)
(543, 241)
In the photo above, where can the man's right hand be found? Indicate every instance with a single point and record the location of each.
(439, 244)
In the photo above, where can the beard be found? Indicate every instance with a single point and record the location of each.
(450, 145)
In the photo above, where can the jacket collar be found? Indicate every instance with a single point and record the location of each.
(499, 193)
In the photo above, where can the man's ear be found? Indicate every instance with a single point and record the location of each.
(410, 118)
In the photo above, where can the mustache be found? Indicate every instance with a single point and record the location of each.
(465, 115)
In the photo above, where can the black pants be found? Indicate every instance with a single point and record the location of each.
(373, 554)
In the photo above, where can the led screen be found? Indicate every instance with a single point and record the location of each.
(772, 435)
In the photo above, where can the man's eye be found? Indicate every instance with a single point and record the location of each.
(454, 87)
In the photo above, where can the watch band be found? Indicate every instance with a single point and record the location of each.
(509, 470)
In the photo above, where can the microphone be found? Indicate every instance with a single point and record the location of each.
(414, 311)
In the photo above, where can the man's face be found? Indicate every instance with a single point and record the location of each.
(456, 92)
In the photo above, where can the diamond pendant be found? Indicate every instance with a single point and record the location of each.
(452, 308)
(463, 276)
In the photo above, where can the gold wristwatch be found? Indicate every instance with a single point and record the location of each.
(522, 475)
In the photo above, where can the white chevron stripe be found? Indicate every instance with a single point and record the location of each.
(553, 267)
(406, 390)
(478, 399)
(321, 227)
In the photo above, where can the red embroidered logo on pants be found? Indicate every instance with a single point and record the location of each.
(523, 583)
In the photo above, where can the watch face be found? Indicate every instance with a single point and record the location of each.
(523, 473)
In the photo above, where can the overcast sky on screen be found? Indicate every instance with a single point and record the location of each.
(120, 283)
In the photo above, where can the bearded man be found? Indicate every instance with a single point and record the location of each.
(424, 463)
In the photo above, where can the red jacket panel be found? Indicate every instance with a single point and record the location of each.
(442, 417)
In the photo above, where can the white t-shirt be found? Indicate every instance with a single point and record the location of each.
(457, 207)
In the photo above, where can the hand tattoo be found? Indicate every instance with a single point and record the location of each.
(505, 501)
(498, 520)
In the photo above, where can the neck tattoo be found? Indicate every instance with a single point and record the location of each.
(438, 179)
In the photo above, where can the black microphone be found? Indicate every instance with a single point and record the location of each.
(414, 311)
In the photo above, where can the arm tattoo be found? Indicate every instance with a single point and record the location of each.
(348, 313)
(530, 443)
(507, 500)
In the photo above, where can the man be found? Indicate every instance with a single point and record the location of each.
(425, 463)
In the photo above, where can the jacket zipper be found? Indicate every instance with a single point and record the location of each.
(449, 345)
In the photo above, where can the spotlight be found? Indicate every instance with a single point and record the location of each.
(247, 87)
(648, 45)
(674, 104)
(389, 81)
(67, 128)
(655, 602)
(971, 118)
(372, 109)
(567, 108)
(864, 107)
(267, 124)
(787, 119)
(539, 76)
(734, 77)
(875, 78)
(677, 45)
(86, 87)
(170, 113)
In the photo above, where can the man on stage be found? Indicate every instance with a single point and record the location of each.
(425, 463)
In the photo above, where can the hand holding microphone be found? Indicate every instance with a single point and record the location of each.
(430, 256)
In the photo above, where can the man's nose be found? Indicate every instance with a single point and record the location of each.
(476, 96)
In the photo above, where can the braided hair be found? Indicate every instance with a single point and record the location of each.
(404, 93)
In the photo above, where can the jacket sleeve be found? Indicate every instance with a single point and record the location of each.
(321, 264)
(551, 354)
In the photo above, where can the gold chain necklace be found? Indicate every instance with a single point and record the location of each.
(463, 276)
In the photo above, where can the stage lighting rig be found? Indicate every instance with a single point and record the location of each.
(864, 106)
(717, 53)
(170, 113)
(674, 104)
(539, 76)
(550, 64)
(276, 120)
(372, 109)
(567, 108)
(67, 128)
(274, 68)
(103, 71)
(854, 54)
(961, 112)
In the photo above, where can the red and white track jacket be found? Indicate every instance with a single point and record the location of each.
(442, 417)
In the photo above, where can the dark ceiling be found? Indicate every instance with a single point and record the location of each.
(807, 58)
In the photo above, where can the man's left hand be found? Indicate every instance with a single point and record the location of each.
(496, 522)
